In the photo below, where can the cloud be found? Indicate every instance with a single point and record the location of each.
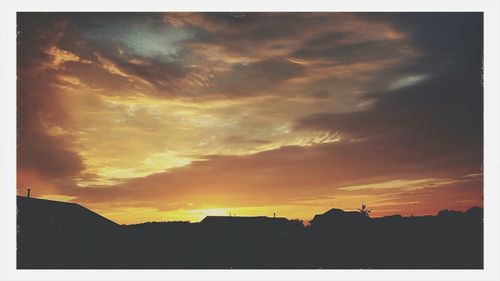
(408, 81)
(235, 139)
(60, 57)
(208, 55)
(402, 184)
(290, 175)
(245, 79)
(46, 151)
(438, 118)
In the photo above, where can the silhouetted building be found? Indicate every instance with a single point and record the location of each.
(57, 215)
(253, 224)
(52, 234)
(337, 216)
(242, 220)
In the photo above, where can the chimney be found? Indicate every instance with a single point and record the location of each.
(274, 215)
(29, 191)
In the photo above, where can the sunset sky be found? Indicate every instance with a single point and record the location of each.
(175, 116)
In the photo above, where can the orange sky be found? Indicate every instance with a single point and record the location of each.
(175, 116)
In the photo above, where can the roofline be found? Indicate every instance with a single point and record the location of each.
(47, 200)
(67, 203)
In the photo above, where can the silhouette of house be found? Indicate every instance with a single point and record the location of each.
(390, 219)
(337, 216)
(53, 234)
(254, 224)
(242, 220)
(475, 213)
(55, 216)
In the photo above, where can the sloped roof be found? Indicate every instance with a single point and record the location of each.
(229, 219)
(36, 212)
(337, 215)
(245, 225)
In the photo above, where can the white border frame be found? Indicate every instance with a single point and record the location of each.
(8, 9)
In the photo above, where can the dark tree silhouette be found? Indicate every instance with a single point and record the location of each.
(364, 211)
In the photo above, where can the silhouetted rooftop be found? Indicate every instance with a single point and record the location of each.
(235, 219)
(48, 212)
(337, 215)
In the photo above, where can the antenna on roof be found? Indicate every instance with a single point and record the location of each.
(29, 191)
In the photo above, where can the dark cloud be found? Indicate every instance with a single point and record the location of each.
(327, 40)
(145, 46)
(51, 155)
(162, 75)
(447, 40)
(228, 28)
(436, 120)
(136, 45)
(247, 79)
(439, 118)
(350, 53)
(321, 94)
(38, 103)
(34, 35)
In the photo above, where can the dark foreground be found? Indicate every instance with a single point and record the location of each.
(56, 235)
